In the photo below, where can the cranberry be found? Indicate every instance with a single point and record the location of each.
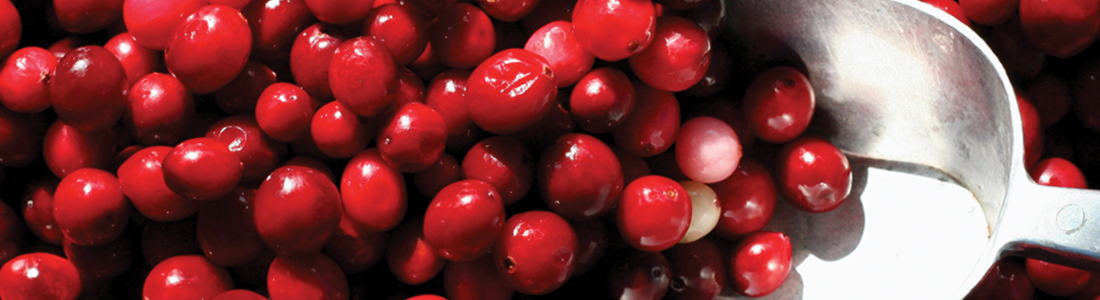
(403, 30)
(87, 16)
(39, 276)
(313, 276)
(1052, 98)
(209, 48)
(678, 59)
(557, 43)
(951, 7)
(310, 58)
(136, 59)
(636, 21)
(516, 82)
(64, 45)
(11, 232)
(142, 181)
(447, 95)
(813, 175)
(654, 213)
(556, 123)
(602, 100)
(1033, 133)
(475, 280)
(235, 4)
(411, 259)
(463, 36)
(339, 12)
(254, 273)
(546, 12)
(536, 252)
(427, 65)
(707, 150)
(426, 297)
(503, 162)
(355, 250)
(464, 220)
(275, 24)
(652, 126)
(989, 12)
(409, 89)
(747, 198)
(284, 112)
(363, 76)
(241, 94)
(779, 104)
(337, 132)
(1056, 171)
(186, 277)
(102, 262)
(664, 164)
(439, 175)
(226, 229)
(373, 193)
(635, 274)
(38, 211)
(579, 177)
(760, 263)
(1055, 279)
(1007, 280)
(705, 210)
(161, 241)
(309, 162)
(1060, 28)
(717, 77)
(258, 153)
(159, 110)
(413, 139)
(592, 243)
(89, 207)
(634, 167)
(24, 79)
(12, 28)
(88, 88)
(202, 169)
(697, 269)
(23, 142)
(151, 22)
(239, 295)
(296, 210)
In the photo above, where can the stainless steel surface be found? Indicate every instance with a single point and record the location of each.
(903, 86)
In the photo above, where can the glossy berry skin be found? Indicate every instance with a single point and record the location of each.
(503, 162)
(635, 274)
(1054, 279)
(636, 21)
(1033, 130)
(136, 59)
(474, 280)
(602, 100)
(38, 211)
(101, 263)
(508, 11)
(402, 29)
(463, 36)
(447, 95)
(413, 139)
(151, 22)
(24, 80)
(437, 176)
(698, 271)
(209, 48)
(338, 132)
(12, 231)
(284, 111)
(239, 295)
(813, 175)
(677, 59)
(1057, 171)
(39, 276)
(426, 297)
(654, 213)
(1007, 279)
(12, 28)
(296, 210)
(259, 154)
(66, 149)
(951, 7)
(536, 253)
(159, 110)
(464, 220)
(89, 207)
(510, 91)
(546, 12)
(1060, 28)
(747, 198)
(411, 259)
(241, 94)
(373, 193)
(202, 169)
(311, 56)
(274, 26)
(592, 244)
(652, 126)
(760, 263)
(363, 76)
(989, 12)
(142, 181)
(186, 277)
(23, 142)
(355, 250)
(707, 150)
(557, 43)
(779, 104)
(88, 88)
(86, 16)
(579, 177)
(339, 12)
(226, 229)
(312, 276)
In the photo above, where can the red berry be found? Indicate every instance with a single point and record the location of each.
(363, 76)
(12, 28)
(707, 150)
(579, 177)
(284, 111)
(313, 276)
(760, 263)
(426, 297)
(717, 77)
(23, 142)
(556, 123)
(209, 48)
(355, 250)
(678, 58)
(38, 211)
(226, 229)
(373, 193)
(437, 176)
(142, 181)
(239, 295)
(337, 132)
(779, 104)
(536, 253)
(557, 43)
(546, 12)
(235, 4)
(136, 59)
(39, 276)
(510, 91)
(159, 110)
(411, 259)
(635, 22)
(24, 79)
(1056, 171)
(635, 274)
(951, 7)
(1061, 28)
(311, 56)
(592, 244)
(1033, 132)
(747, 198)
(504, 163)
(654, 213)
(602, 100)
(652, 126)
(339, 12)
(161, 241)
(152, 21)
(464, 220)
(447, 95)
(259, 154)
(186, 277)
(274, 26)
(462, 36)
(103, 262)
(296, 210)
(11, 233)
(1052, 97)
(508, 11)
(475, 280)
(1055, 279)
(88, 88)
(697, 269)
(87, 16)
(813, 175)
(989, 12)
(1007, 279)
(403, 30)
(90, 208)
(241, 94)
(202, 169)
